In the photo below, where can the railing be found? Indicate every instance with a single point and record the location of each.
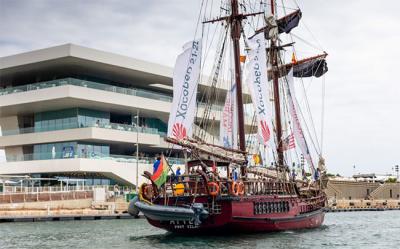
(49, 196)
(88, 84)
(21, 194)
(64, 187)
(75, 125)
(94, 156)
(94, 85)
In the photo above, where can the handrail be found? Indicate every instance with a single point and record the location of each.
(94, 156)
(75, 125)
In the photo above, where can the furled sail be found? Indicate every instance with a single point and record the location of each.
(257, 81)
(185, 81)
(285, 24)
(315, 67)
(297, 130)
(308, 67)
(228, 124)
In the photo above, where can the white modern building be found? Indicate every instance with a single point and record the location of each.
(75, 112)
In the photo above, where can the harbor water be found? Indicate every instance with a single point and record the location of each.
(340, 230)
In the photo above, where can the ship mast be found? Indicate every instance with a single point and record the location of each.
(236, 26)
(278, 123)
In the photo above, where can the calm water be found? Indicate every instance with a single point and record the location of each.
(340, 230)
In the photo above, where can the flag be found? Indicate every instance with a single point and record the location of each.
(185, 80)
(297, 130)
(288, 143)
(160, 176)
(228, 124)
(257, 80)
(294, 60)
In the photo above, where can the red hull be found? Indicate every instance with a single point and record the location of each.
(243, 215)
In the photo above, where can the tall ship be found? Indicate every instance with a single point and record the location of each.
(265, 172)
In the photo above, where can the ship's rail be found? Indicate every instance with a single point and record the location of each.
(199, 185)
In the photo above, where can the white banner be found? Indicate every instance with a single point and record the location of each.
(185, 81)
(257, 80)
(297, 130)
(228, 125)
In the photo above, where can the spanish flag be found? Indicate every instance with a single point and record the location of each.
(160, 176)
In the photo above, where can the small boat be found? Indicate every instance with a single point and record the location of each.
(194, 213)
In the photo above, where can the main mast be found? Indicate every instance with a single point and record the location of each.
(236, 26)
(278, 122)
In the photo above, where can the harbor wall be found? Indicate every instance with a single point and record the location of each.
(362, 190)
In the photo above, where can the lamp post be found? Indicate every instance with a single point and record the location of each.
(396, 168)
(137, 151)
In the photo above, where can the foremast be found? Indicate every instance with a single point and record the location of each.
(236, 26)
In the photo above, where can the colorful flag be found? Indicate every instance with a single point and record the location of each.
(288, 143)
(160, 176)
(185, 81)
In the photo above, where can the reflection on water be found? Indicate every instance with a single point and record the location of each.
(340, 230)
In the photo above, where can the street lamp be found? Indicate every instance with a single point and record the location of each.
(137, 151)
(396, 168)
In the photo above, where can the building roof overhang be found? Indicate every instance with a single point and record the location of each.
(70, 59)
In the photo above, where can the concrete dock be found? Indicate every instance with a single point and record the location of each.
(63, 218)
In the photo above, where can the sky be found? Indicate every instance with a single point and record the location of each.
(362, 104)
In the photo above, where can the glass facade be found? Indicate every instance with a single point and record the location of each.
(87, 117)
(69, 150)
(54, 150)
(86, 150)
(154, 123)
(56, 120)
(70, 118)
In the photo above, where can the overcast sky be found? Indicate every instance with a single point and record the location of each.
(361, 37)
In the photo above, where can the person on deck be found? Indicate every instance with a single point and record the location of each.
(294, 174)
(234, 175)
(178, 171)
(156, 164)
(177, 174)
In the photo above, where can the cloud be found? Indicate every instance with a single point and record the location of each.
(362, 92)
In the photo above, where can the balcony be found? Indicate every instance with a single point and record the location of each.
(88, 84)
(95, 85)
(93, 156)
(74, 125)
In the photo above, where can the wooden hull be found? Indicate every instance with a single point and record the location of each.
(250, 215)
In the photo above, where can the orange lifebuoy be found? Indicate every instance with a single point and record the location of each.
(213, 188)
(235, 188)
(241, 188)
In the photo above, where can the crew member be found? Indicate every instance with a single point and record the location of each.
(178, 171)
(156, 164)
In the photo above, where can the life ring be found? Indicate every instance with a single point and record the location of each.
(213, 188)
(241, 188)
(146, 191)
(235, 188)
